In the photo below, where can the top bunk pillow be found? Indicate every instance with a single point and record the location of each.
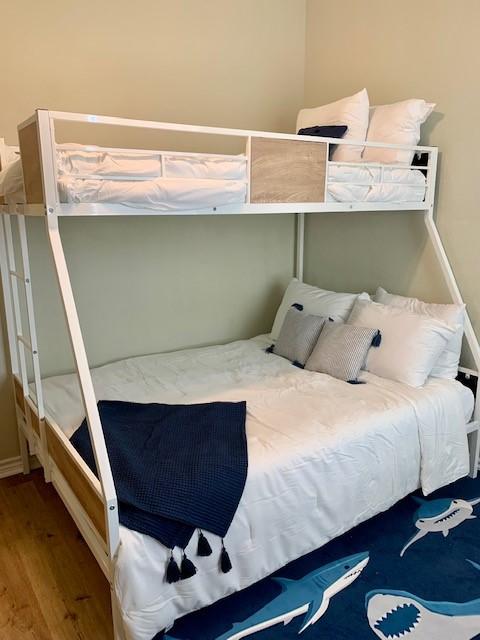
(328, 131)
(11, 178)
(397, 123)
(411, 343)
(351, 112)
(10, 154)
(452, 314)
(11, 174)
(315, 301)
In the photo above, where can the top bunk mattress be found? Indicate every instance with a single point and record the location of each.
(169, 181)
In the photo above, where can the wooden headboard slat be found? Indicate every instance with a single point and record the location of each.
(31, 163)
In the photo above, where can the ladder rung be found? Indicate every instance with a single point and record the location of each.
(25, 342)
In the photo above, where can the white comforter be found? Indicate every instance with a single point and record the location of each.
(374, 183)
(169, 181)
(323, 456)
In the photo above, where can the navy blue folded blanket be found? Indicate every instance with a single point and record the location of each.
(176, 468)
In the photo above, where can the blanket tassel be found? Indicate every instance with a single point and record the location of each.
(377, 339)
(188, 569)
(173, 572)
(225, 562)
(203, 549)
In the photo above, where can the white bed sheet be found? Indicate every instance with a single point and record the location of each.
(323, 456)
(375, 184)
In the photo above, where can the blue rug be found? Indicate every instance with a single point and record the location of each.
(359, 587)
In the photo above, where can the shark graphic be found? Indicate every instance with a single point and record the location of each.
(398, 614)
(440, 516)
(309, 595)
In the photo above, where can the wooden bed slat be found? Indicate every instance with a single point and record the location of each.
(287, 171)
(33, 418)
(18, 390)
(73, 474)
(31, 163)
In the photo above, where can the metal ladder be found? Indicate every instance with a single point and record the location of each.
(19, 343)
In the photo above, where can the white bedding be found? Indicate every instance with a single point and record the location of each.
(163, 181)
(162, 194)
(323, 456)
(169, 181)
(374, 184)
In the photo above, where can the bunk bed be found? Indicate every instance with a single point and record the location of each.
(278, 173)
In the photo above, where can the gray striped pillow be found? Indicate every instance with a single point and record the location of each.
(298, 336)
(341, 350)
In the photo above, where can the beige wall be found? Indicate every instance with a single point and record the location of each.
(398, 50)
(221, 62)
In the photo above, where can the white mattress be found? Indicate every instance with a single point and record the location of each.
(374, 184)
(323, 456)
(168, 181)
(164, 181)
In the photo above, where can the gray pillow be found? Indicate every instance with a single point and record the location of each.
(341, 350)
(298, 335)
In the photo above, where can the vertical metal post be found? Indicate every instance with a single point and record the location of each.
(431, 178)
(300, 245)
(454, 290)
(470, 335)
(86, 385)
(248, 153)
(46, 141)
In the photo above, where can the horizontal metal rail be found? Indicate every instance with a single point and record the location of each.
(221, 131)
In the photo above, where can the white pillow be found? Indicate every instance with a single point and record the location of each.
(452, 314)
(397, 123)
(10, 154)
(11, 178)
(352, 112)
(315, 301)
(411, 343)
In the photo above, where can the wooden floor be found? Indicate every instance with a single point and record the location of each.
(51, 587)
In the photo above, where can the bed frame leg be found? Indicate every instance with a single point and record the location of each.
(24, 453)
(118, 629)
(474, 447)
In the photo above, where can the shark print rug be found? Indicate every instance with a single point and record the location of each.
(411, 573)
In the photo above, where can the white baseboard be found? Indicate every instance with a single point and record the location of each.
(10, 467)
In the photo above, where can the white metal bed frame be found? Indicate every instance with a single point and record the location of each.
(33, 420)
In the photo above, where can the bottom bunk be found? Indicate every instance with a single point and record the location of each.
(324, 455)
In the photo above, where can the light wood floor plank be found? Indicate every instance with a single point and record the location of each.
(51, 587)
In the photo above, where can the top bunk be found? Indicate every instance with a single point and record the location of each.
(273, 173)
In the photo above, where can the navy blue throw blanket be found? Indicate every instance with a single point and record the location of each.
(176, 468)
